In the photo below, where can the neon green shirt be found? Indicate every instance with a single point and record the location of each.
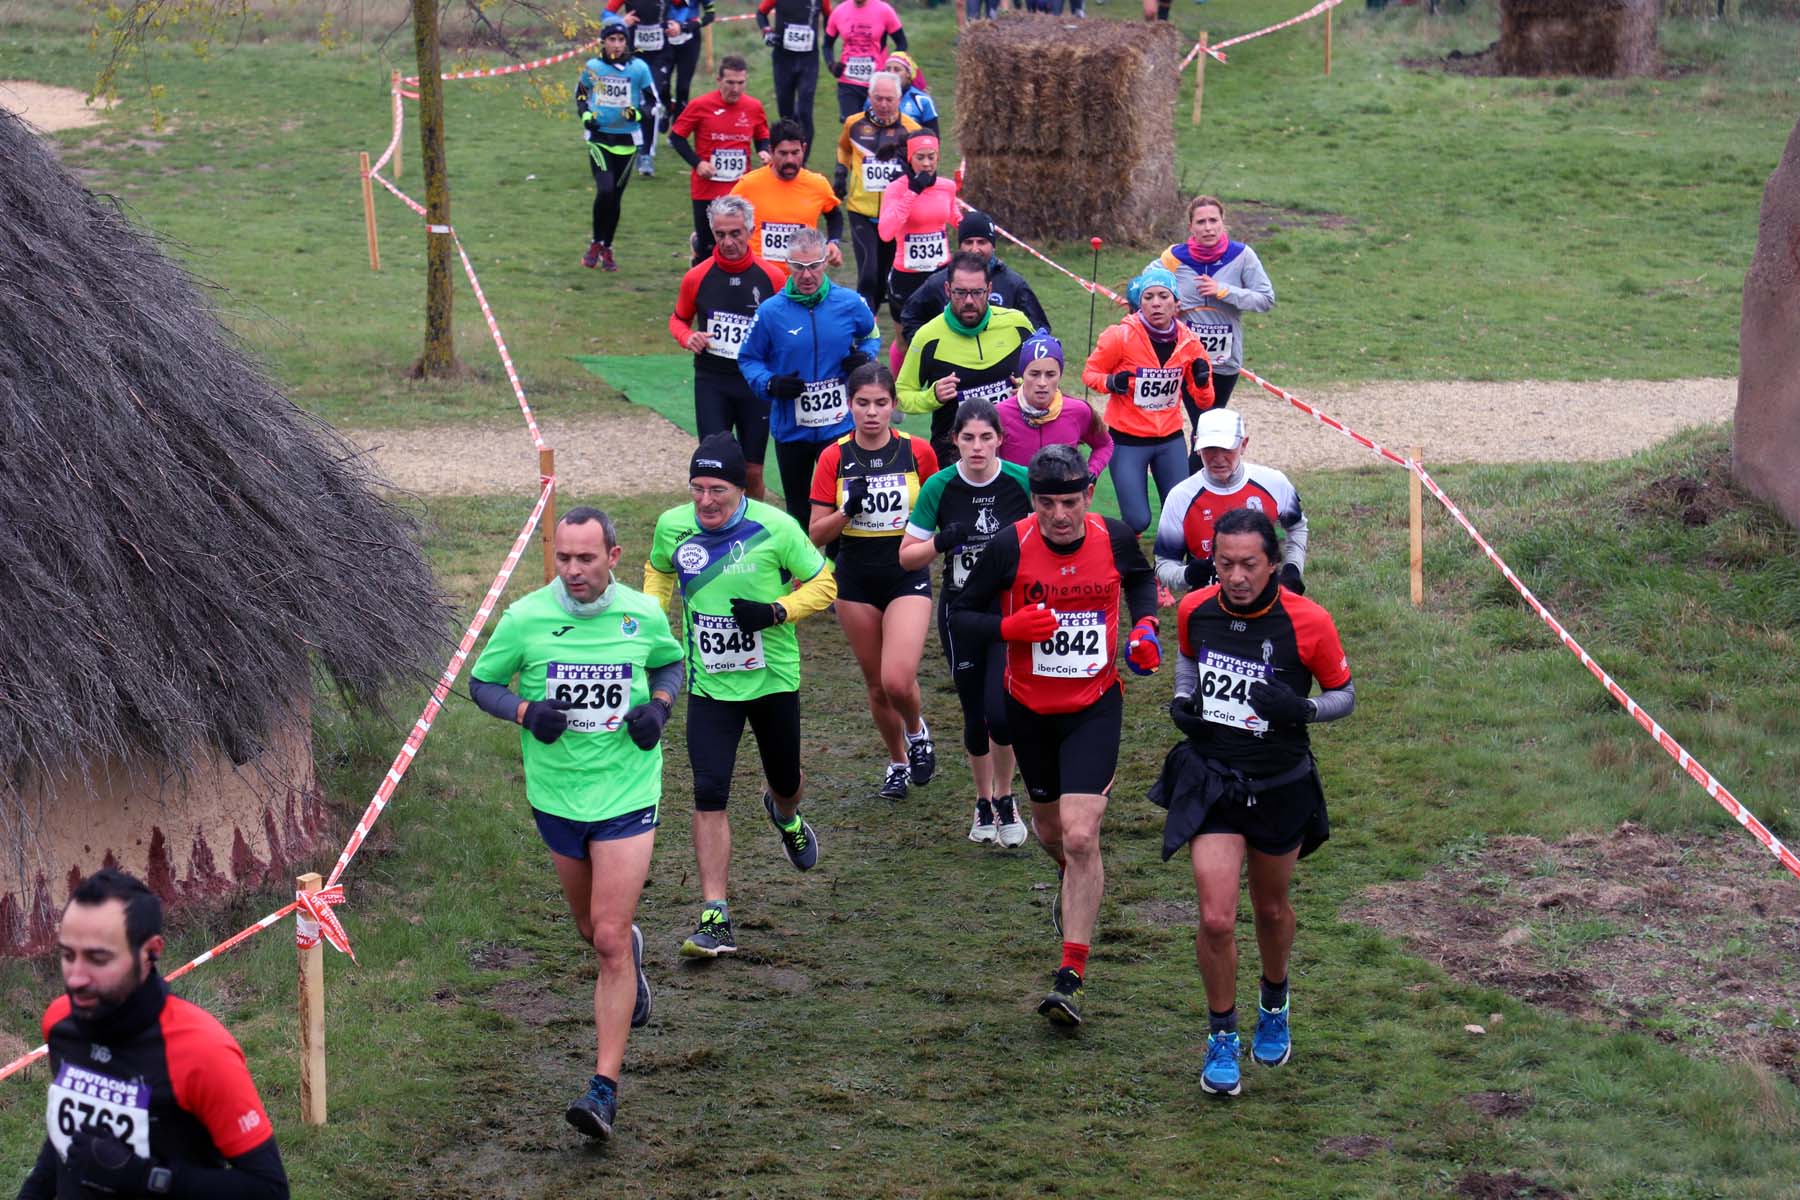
(712, 567)
(594, 771)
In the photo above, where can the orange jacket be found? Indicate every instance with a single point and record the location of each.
(1152, 406)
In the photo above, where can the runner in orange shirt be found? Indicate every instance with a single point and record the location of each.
(788, 198)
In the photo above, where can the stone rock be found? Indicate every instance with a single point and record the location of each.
(1765, 437)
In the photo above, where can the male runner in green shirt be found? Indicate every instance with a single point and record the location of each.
(598, 671)
(733, 558)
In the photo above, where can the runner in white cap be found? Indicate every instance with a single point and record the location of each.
(1226, 480)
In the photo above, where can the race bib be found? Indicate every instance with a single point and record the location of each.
(993, 392)
(1076, 651)
(729, 164)
(823, 404)
(646, 36)
(860, 69)
(877, 174)
(727, 332)
(799, 38)
(961, 562)
(1216, 339)
(777, 236)
(725, 647)
(924, 251)
(615, 91)
(887, 507)
(81, 1099)
(598, 694)
(1225, 690)
(1156, 389)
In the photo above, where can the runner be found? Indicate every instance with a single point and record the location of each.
(918, 215)
(1156, 10)
(713, 311)
(871, 154)
(149, 1095)
(863, 490)
(788, 198)
(1146, 364)
(804, 341)
(968, 352)
(793, 39)
(1217, 281)
(611, 95)
(1039, 415)
(960, 510)
(915, 101)
(865, 26)
(598, 673)
(732, 558)
(1058, 577)
(1226, 481)
(726, 126)
(652, 24)
(1006, 287)
(690, 17)
(1244, 784)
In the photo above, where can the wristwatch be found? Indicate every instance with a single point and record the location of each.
(780, 613)
(159, 1181)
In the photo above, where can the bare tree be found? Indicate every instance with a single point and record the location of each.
(438, 359)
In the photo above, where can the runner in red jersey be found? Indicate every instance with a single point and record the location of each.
(1059, 577)
(149, 1095)
(728, 129)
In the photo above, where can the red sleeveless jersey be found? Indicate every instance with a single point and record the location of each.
(1071, 670)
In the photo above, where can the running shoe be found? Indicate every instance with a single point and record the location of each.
(606, 259)
(593, 1113)
(1062, 1006)
(983, 828)
(1164, 597)
(1221, 1076)
(921, 759)
(640, 1011)
(800, 845)
(711, 937)
(591, 259)
(1010, 826)
(646, 166)
(1271, 1044)
(893, 787)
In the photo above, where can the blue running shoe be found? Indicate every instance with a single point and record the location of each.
(640, 1009)
(593, 1113)
(800, 844)
(1271, 1045)
(1221, 1076)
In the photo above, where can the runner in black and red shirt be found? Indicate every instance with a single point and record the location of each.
(149, 1096)
(1059, 577)
(1244, 783)
(713, 311)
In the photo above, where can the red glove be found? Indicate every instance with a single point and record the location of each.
(1143, 653)
(1032, 624)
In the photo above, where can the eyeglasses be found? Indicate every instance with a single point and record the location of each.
(796, 265)
(716, 492)
(967, 293)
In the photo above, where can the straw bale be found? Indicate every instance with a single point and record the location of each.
(1067, 128)
(1578, 37)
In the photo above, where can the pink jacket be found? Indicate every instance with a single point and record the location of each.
(917, 224)
(1075, 424)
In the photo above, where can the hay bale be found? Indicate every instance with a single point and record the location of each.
(1068, 129)
(1578, 37)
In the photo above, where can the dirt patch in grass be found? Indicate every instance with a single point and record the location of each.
(1693, 940)
(1499, 1104)
(1168, 914)
(1357, 1146)
(1252, 220)
(1479, 1185)
(491, 957)
(1698, 497)
(48, 108)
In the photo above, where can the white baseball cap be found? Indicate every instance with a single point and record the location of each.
(1220, 428)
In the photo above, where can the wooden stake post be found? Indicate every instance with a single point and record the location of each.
(1328, 41)
(1199, 77)
(706, 40)
(547, 527)
(312, 1020)
(1415, 501)
(369, 215)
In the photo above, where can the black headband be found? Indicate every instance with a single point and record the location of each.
(1059, 487)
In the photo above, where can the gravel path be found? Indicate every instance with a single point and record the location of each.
(1453, 422)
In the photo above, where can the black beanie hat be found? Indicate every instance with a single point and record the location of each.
(718, 457)
(975, 224)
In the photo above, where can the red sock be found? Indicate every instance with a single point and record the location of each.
(1075, 956)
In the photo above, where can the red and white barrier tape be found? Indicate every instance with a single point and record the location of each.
(393, 146)
(1087, 284)
(1218, 51)
(536, 63)
(313, 920)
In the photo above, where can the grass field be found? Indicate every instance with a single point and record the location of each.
(875, 1037)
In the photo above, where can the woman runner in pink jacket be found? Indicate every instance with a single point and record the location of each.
(918, 213)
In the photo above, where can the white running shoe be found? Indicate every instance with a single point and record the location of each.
(983, 829)
(1010, 829)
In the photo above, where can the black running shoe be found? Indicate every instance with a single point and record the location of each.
(1062, 1006)
(893, 784)
(800, 844)
(921, 759)
(593, 1113)
(711, 937)
(640, 1011)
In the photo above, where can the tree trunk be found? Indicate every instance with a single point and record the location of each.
(439, 356)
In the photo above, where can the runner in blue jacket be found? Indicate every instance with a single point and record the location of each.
(613, 93)
(803, 343)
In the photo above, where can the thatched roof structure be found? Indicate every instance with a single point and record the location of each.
(180, 546)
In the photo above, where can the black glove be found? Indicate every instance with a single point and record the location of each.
(922, 180)
(1187, 718)
(1200, 371)
(853, 360)
(545, 719)
(786, 387)
(837, 69)
(1279, 704)
(770, 38)
(631, 113)
(590, 121)
(644, 722)
(1119, 382)
(752, 615)
(856, 496)
(1199, 572)
(707, 17)
(1292, 580)
(840, 181)
(101, 1163)
(951, 537)
(888, 152)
